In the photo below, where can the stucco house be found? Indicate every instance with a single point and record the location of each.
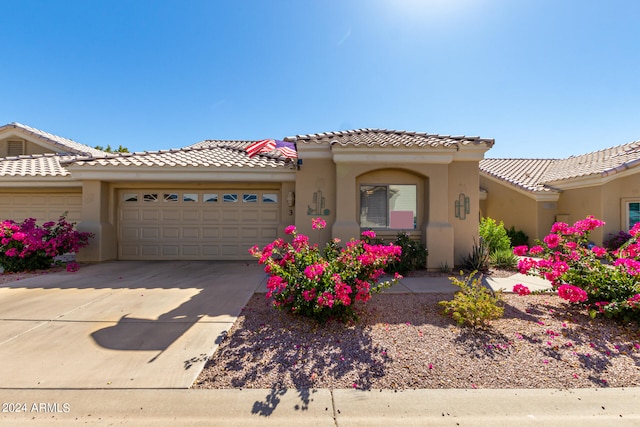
(212, 201)
(531, 194)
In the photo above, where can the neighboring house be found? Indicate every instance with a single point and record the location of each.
(531, 194)
(212, 201)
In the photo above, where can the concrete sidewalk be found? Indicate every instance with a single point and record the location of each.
(584, 407)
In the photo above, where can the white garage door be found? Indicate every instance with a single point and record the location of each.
(43, 206)
(184, 224)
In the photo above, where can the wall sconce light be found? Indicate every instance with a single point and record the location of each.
(291, 199)
(462, 206)
(299, 163)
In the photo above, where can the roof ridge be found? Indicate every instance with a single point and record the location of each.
(56, 140)
(359, 131)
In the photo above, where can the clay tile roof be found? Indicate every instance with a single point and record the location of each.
(604, 162)
(523, 173)
(40, 165)
(65, 145)
(542, 174)
(202, 154)
(386, 137)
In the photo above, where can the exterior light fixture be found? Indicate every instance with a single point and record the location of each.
(462, 206)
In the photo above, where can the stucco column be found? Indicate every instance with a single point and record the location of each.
(346, 225)
(438, 230)
(95, 219)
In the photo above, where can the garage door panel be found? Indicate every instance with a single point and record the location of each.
(191, 233)
(210, 232)
(170, 250)
(211, 215)
(170, 232)
(190, 250)
(170, 215)
(43, 206)
(269, 215)
(188, 225)
(250, 233)
(150, 250)
(150, 233)
(130, 215)
(191, 215)
(150, 215)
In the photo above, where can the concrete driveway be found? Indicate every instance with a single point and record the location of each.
(124, 324)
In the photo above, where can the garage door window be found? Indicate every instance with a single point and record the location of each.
(150, 197)
(190, 197)
(210, 198)
(269, 198)
(250, 198)
(129, 197)
(171, 197)
(230, 198)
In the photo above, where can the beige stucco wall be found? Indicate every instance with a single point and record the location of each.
(438, 177)
(315, 190)
(615, 194)
(576, 204)
(524, 212)
(464, 179)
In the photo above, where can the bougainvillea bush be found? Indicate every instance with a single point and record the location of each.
(606, 282)
(324, 284)
(26, 246)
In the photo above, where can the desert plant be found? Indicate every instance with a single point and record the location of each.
(517, 237)
(503, 258)
(473, 305)
(478, 258)
(494, 235)
(414, 255)
(445, 267)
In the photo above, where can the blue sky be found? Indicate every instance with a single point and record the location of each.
(545, 78)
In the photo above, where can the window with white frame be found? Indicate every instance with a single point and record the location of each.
(633, 213)
(392, 206)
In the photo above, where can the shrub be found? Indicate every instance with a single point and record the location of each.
(473, 305)
(517, 237)
(414, 255)
(478, 258)
(494, 235)
(604, 282)
(504, 258)
(26, 246)
(614, 241)
(324, 284)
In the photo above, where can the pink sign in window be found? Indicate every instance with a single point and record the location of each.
(401, 219)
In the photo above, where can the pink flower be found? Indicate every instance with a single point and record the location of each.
(572, 293)
(535, 250)
(559, 227)
(598, 251)
(19, 237)
(521, 290)
(290, 229)
(369, 233)
(552, 240)
(314, 271)
(520, 250)
(72, 267)
(318, 223)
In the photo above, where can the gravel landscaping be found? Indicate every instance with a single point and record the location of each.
(402, 341)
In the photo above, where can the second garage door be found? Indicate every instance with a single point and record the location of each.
(183, 224)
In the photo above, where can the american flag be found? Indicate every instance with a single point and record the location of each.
(287, 149)
(263, 146)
